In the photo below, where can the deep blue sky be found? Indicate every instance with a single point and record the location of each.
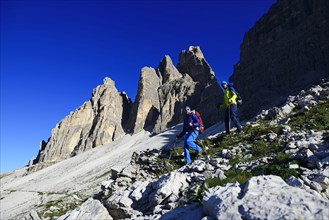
(53, 53)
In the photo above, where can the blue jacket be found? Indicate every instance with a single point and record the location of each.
(189, 118)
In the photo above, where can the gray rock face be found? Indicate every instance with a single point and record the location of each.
(167, 70)
(263, 196)
(163, 93)
(287, 50)
(194, 63)
(91, 209)
(98, 121)
(146, 106)
(173, 96)
(33, 215)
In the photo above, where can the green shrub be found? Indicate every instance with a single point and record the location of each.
(260, 149)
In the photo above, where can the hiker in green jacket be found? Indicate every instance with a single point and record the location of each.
(230, 105)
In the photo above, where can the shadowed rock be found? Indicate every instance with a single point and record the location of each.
(287, 50)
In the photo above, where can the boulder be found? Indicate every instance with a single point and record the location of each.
(166, 186)
(264, 196)
(32, 215)
(91, 209)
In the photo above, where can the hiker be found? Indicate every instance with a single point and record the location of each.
(190, 130)
(230, 105)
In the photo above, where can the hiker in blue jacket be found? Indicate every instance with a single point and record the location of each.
(190, 130)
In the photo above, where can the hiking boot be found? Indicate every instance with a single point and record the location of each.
(198, 155)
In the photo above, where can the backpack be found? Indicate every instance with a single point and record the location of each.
(239, 98)
(201, 127)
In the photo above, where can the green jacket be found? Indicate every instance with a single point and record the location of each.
(229, 98)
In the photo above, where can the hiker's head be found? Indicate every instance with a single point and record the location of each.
(187, 110)
(224, 84)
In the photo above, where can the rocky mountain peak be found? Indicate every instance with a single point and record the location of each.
(108, 81)
(146, 106)
(193, 63)
(105, 92)
(167, 70)
(196, 51)
(98, 121)
(163, 93)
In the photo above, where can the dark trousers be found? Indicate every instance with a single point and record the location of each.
(231, 113)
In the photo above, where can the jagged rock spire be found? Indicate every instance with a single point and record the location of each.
(167, 70)
(146, 106)
(97, 122)
(193, 63)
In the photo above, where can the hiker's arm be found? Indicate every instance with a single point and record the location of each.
(233, 97)
(195, 121)
(181, 134)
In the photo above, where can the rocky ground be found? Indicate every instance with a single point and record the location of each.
(278, 168)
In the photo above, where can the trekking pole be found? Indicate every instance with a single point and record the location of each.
(229, 118)
(207, 157)
(174, 150)
(204, 148)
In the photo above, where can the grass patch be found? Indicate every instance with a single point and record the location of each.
(56, 208)
(279, 167)
(221, 142)
(275, 169)
(61, 209)
(259, 149)
(258, 132)
(317, 118)
(169, 165)
(263, 149)
(233, 175)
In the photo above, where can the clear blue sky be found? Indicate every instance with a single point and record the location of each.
(53, 53)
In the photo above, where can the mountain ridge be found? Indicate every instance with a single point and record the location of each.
(109, 114)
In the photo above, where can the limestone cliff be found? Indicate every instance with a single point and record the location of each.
(98, 121)
(287, 50)
(146, 106)
(162, 94)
